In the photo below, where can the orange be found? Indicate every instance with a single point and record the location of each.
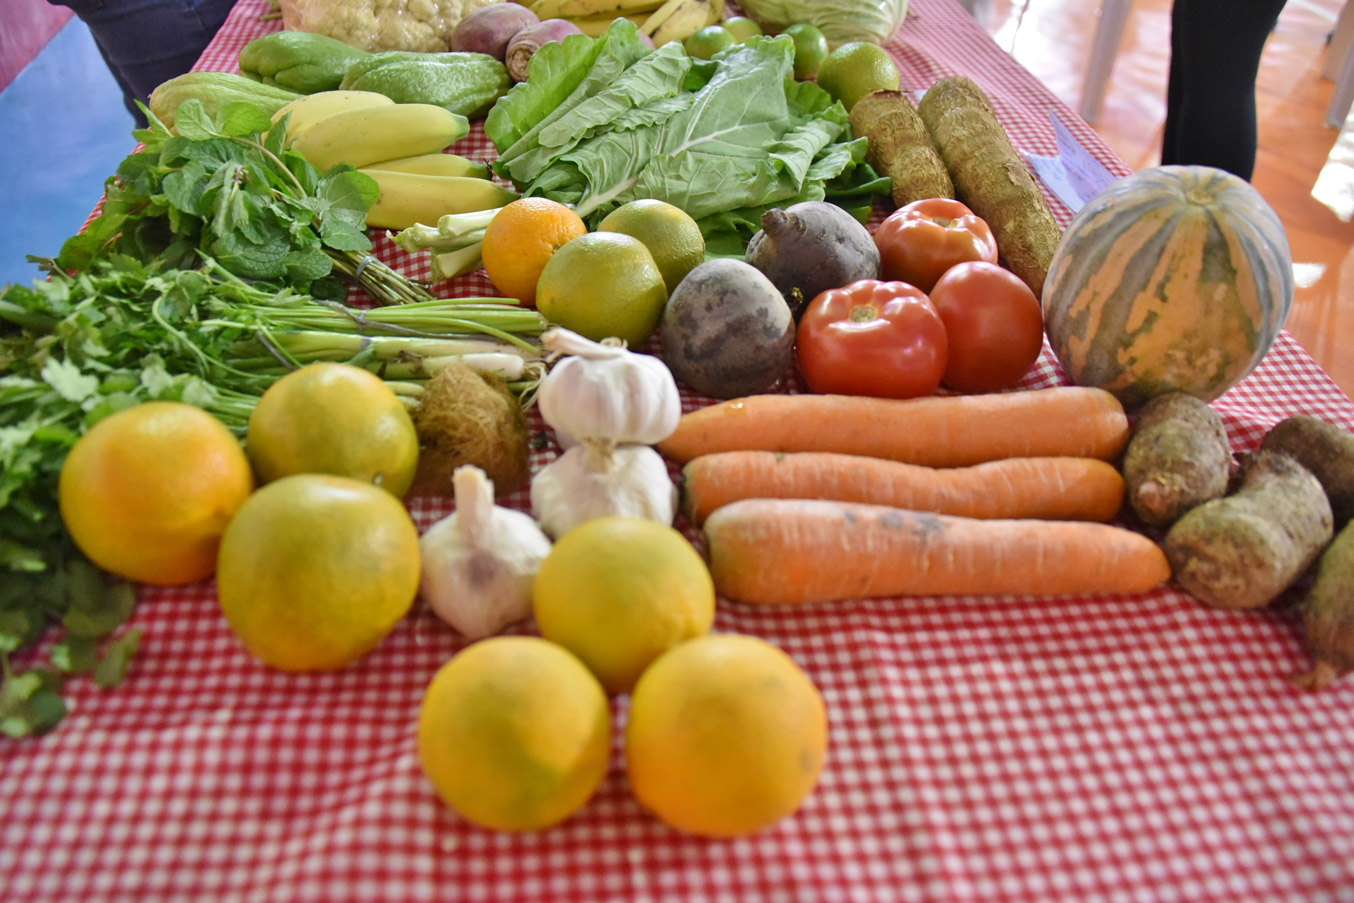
(315, 570)
(333, 418)
(726, 735)
(618, 591)
(147, 492)
(521, 239)
(514, 733)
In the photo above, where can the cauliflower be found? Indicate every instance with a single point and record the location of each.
(421, 25)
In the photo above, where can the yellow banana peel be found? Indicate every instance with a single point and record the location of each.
(368, 135)
(407, 198)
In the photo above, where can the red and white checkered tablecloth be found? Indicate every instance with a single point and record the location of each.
(982, 749)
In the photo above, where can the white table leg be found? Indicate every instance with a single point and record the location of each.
(1108, 32)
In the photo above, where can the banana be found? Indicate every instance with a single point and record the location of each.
(594, 26)
(434, 165)
(309, 109)
(685, 20)
(587, 9)
(659, 16)
(368, 135)
(407, 198)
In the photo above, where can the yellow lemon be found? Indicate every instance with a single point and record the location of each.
(333, 418)
(726, 735)
(674, 240)
(146, 492)
(619, 591)
(603, 285)
(315, 570)
(514, 733)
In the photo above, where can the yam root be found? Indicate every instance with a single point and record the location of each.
(1328, 615)
(990, 177)
(1327, 451)
(898, 145)
(1241, 551)
(1177, 457)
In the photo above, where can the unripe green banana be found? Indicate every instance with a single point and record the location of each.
(307, 110)
(368, 135)
(434, 165)
(407, 198)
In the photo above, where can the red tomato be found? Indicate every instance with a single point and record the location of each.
(871, 338)
(994, 325)
(919, 241)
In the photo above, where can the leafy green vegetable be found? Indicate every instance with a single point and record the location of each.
(600, 122)
(226, 187)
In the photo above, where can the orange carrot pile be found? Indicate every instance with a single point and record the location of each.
(1061, 488)
(936, 431)
(787, 551)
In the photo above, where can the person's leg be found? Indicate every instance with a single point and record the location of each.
(1215, 57)
(1174, 80)
(147, 42)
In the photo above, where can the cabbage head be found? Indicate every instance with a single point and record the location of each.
(840, 21)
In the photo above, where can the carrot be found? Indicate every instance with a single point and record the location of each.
(787, 551)
(937, 431)
(1052, 488)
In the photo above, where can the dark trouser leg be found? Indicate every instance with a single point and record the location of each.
(1210, 98)
(147, 42)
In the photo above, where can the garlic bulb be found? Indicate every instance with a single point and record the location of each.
(587, 482)
(480, 560)
(602, 392)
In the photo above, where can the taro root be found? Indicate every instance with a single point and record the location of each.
(1241, 551)
(1178, 457)
(1326, 450)
(1328, 615)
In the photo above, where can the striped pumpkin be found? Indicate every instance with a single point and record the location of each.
(1175, 278)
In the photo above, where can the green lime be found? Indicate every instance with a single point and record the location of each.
(671, 235)
(706, 42)
(810, 49)
(741, 27)
(603, 285)
(855, 69)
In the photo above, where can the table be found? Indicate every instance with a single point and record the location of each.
(982, 749)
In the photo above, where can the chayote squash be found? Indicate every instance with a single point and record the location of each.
(464, 83)
(215, 90)
(299, 61)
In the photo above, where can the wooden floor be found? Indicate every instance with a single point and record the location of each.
(1304, 168)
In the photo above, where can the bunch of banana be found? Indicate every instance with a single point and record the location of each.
(400, 146)
(661, 20)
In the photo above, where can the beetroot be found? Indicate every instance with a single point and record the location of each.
(490, 28)
(527, 41)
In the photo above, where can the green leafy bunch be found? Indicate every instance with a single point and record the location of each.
(226, 187)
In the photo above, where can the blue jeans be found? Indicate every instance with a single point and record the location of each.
(147, 42)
